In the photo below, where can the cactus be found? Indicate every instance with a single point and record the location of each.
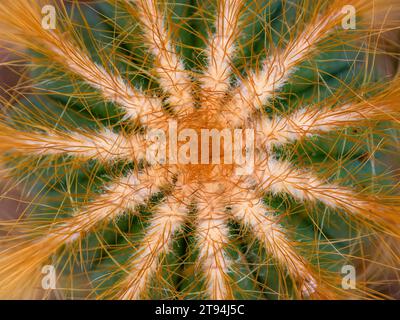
(320, 193)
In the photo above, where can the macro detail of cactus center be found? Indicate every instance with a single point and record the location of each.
(278, 174)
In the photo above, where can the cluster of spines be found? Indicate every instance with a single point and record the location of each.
(135, 188)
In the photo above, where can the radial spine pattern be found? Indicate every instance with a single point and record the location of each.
(207, 208)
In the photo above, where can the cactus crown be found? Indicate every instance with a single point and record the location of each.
(314, 195)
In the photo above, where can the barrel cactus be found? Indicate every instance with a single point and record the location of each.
(287, 87)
